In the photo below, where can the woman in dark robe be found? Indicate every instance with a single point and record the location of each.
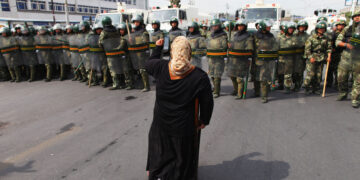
(183, 106)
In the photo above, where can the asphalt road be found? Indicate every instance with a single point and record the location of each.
(65, 130)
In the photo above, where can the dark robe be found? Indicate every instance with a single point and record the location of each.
(180, 102)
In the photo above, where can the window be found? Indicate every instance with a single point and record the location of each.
(57, 6)
(134, 2)
(38, 5)
(21, 4)
(88, 9)
(128, 1)
(5, 5)
(71, 7)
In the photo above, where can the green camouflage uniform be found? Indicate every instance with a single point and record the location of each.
(316, 47)
(44, 52)
(4, 75)
(287, 52)
(139, 51)
(266, 54)
(203, 33)
(350, 63)
(299, 63)
(216, 52)
(154, 36)
(198, 48)
(83, 51)
(11, 53)
(240, 54)
(335, 59)
(27, 47)
(116, 52)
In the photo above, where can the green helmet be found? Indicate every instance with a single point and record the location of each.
(194, 25)
(215, 22)
(75, 28)
(155, 22)
(84, 25)
(43, 30)
(356, 14)
(121, 26)
(5, 30)
(25, 30)
(106, 21)
(137, 18)
(97, 26)
(321, 25)
(340, 22)
(263, 24)
(303, 23)
(322, 19)
(32, 30)
(229, 24)
(57, 26)
(282, 25)
(289, 25)
(241, 22)
(18, 26)
(68, 27)
(174, 19)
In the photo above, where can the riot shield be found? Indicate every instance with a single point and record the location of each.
(44, 49)
(96, 55)
(57, 49)
(74, 50)
(115, 53)
(198, 48)
(10, 51)
(266, 65)
(138, 49)
(66, 50)
(28, 51)
(84, 50)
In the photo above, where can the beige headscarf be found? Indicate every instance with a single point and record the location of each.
(180, 57)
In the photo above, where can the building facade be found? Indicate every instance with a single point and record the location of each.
(44, 12)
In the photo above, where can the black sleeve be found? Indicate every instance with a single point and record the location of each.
(156, 54)
(206, 101)
(152, 66)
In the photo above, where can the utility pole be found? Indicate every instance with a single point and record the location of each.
(66, 13)
(53, 11)
(353, 7)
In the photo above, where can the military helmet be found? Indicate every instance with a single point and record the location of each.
(355, 14)
(289, 25)
(57, 26)
(241, 22)
(215, 22)
(340, 22)
(137, 18)
(155, 22)
(282, 24)
(5, 30)
(106, 21)
(68, 27)
(85, 25)
(303, 23)
(25, 30)
(321, 25)
(323, 18)
(43, 30)
(174, 19)
(263, 24)
(194, 25)
(75, 28)
(97, 26)
(121, 26)
(32, 30)
(18, 26)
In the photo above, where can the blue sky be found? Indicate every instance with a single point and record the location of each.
(298, 7)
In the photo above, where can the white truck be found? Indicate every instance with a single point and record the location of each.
(122, 14)
(185, 14)
(260, 10)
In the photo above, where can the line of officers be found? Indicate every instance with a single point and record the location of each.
(111, 51)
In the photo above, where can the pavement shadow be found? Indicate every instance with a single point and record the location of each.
(245, 168)
(7, 168)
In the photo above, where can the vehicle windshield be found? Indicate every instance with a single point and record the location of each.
(163, 15)
(259, 13)
(114, 17)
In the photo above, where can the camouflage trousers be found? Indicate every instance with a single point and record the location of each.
(346, 67)
(298, 72)
(313, 74)
(216, 67)
(333, 68)
(285, 68)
